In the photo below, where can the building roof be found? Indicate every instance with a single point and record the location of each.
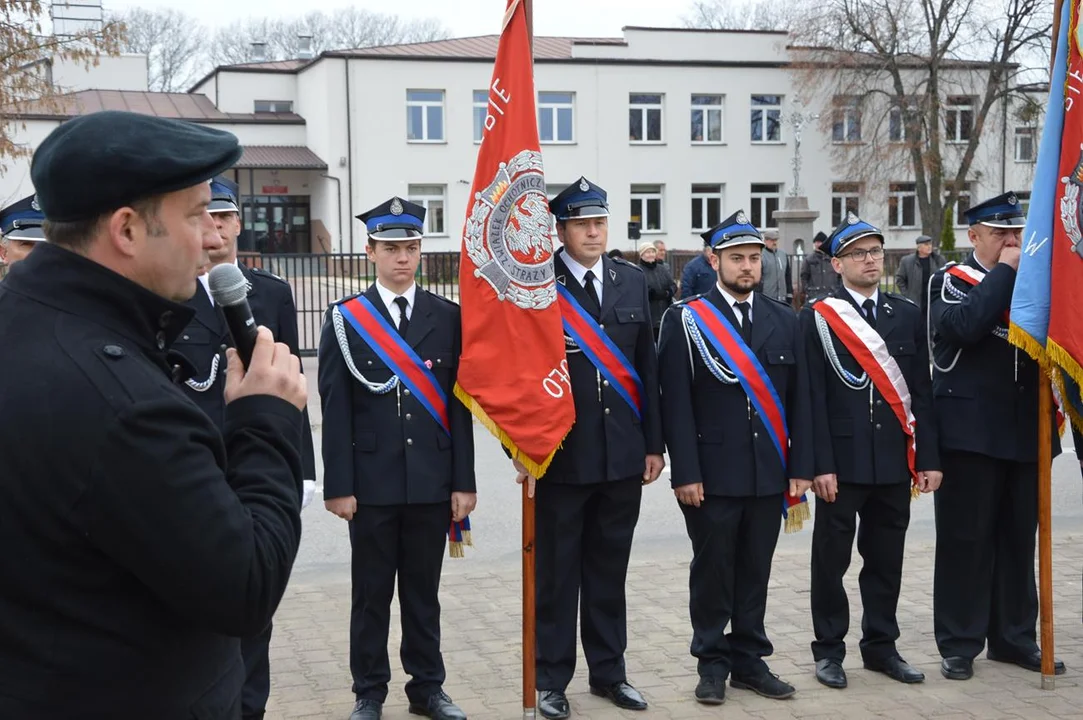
(481, 46)
(280, 157)
(180, 106)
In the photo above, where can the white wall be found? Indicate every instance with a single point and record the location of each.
(124, 72)
(321, 99)
(238, 91)
(15, 181)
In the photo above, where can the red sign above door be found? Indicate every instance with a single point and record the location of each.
(275, 190)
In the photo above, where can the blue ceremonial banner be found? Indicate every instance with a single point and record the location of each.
(1029, 328)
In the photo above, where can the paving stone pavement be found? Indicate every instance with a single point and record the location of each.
(481, 641)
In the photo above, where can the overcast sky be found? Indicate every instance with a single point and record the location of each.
(582, 18)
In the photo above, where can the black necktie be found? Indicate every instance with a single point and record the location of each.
(746, 321)
(870, 315)
(404, 322)
(592, 293)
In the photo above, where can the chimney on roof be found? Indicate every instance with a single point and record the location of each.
(259, 51)
(72, 18)
(304, 47)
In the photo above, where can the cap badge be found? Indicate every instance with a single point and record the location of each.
(34, 204)
(396, 207)
(851, 219)
(742, 218)
(1012, 200)
(583, 184)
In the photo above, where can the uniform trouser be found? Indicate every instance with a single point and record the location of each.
(733, 542)
(881, 540)
(983, 584)
(408, 541)
(583, 540)
(257, 675)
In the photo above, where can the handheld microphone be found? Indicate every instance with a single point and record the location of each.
(229, 288)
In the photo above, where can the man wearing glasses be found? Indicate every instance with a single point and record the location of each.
(867, 360)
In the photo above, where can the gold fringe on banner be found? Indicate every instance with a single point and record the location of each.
(1022, 339)
(796, 516)
(1067, 364)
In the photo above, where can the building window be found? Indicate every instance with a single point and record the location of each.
(765, 201)
(962, 204)
(556, 117)
(481, 109)
(647, 207)
(644, 118)
(845, 197)
(846, 119)
(425, 115)
(959, 119)
(433, 198)
(1024, 144)
(707, 119)
(706, 206)
(766, 118)
(274, 106)
(898, 130)
(902, 204)
(1024, 201)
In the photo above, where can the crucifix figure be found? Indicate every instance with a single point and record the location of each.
(798, 119)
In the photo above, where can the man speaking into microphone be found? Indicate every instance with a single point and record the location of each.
(141, 540)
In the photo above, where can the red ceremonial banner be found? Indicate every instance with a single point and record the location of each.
(513, 371)
(1065, 343)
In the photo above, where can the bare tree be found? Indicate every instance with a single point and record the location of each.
(344, 28)
(911, 86)
(173, 42)
(26, 58)
(742, 15)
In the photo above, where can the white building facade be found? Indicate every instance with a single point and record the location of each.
(681, 127)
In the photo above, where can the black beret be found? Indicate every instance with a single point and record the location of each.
(97, 163)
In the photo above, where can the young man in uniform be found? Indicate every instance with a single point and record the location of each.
(875, 436)
(20, 230)
(987, 408)
(731, 395)
(588, 501)
(398, 453)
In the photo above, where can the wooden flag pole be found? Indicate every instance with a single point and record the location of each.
(530, 693)
(1045, 478)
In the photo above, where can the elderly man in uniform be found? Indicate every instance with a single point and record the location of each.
(986, 391)
(588, 501)
(20, 230)
(732, 465)
(147, 539)
(203, 343)
(872, 401)
(398, 454)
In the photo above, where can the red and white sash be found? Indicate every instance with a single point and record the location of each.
(871, 353)
(971, 276)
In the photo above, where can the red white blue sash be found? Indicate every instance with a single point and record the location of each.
(871, 353)
(757, 385)
(602, 352)
(385, 340)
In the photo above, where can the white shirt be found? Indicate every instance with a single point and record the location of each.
(205, 278)
(732, 302)
(389, 301)
(860, 300)
(579, 272)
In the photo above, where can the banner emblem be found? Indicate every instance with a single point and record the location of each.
(507, 234)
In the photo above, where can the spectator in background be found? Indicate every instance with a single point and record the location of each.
(818, 277)
(660, 286)
(660, 246)
(776, 281)
(915, 271)
(698, 276)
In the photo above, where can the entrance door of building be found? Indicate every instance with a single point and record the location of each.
(277, 224)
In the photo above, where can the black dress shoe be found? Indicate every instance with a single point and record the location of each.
(711, 690)
(1032, 662)
(367, 710)
(553, 704)
(957, 668)
(622, 695)
(439, 707)
(897, 669)
(830, 673)
(766, 685)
